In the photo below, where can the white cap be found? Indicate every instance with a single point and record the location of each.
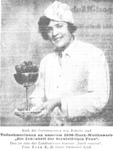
(59, 11)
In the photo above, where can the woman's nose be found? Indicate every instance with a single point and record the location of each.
(55, 32)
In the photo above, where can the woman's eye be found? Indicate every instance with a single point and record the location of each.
(59, 26)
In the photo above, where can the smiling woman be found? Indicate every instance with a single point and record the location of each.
(59, 34)
(43, 27)
(74, 91)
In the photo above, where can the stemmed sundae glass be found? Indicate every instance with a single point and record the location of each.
(26, 75)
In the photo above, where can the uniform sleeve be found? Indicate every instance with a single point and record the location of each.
(37, 97)
(96, 97)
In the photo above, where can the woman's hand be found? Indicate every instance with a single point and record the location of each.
(48, 107)
(42, 112)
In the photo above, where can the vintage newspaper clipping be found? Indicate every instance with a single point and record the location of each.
(22, 42)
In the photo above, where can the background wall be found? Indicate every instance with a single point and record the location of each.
(21, 41)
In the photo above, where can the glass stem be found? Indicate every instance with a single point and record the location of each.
(27, 100)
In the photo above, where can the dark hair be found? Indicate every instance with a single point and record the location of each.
(42, 26)
(44, 22)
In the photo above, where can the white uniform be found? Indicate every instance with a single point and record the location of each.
(80, 80)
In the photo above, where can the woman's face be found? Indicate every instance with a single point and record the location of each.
(59, 34)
